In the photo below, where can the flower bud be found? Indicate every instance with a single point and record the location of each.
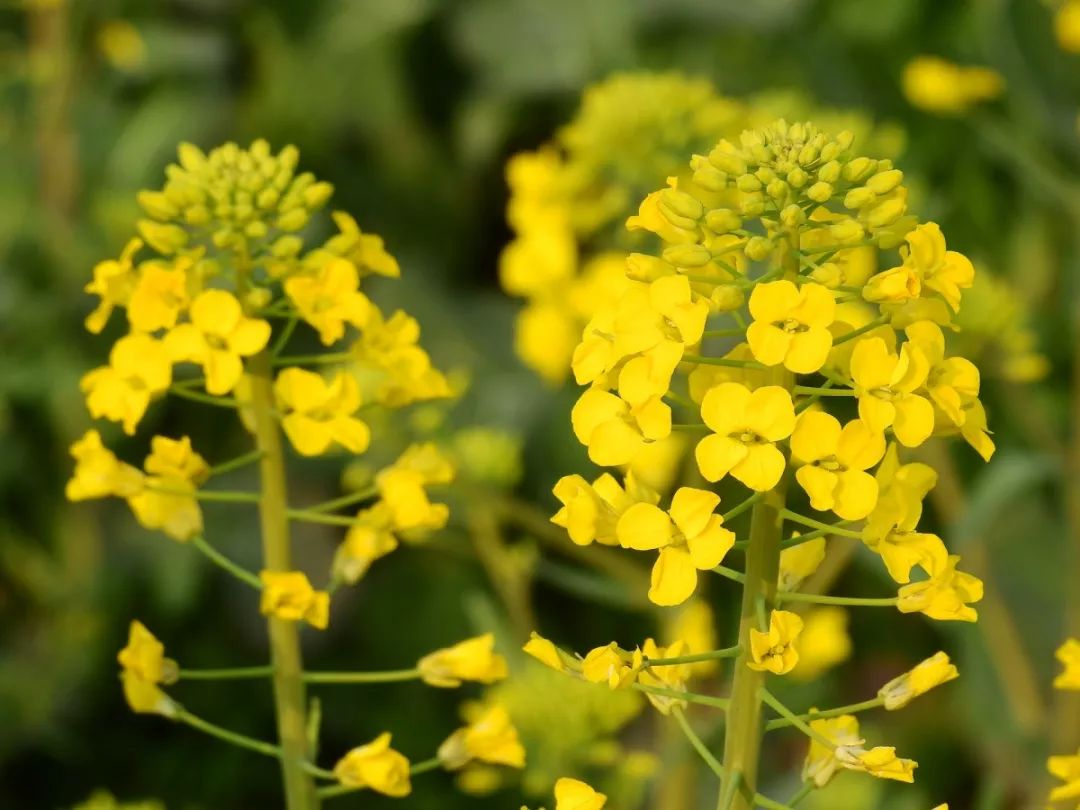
(885, 181)
(820, 192)
(722, 220)
(830, 151)
(293, 220)
(765, 174)
(286, 246)
(752, 205)
(846, 231)
(710, 178)
(777, 189)
(792, 216)
(859, 197)
(727, 162)
(687, 255)
(727, 297)
(162, 237)
(830, 172)
(197, 215)
(886, 212)
(808, 154)
(758, 248)
(858, 169)
(157, 204)
(643, 267)
(748, 183)
(315, 196)
(797, 177)
(681, 204)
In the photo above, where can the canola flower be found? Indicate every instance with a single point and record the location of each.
(746, 329)
(206, 303)
(1066, 767)
(941, 87)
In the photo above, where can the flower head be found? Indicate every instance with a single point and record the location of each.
(113, 283)
(615, 431)
(329, 298)
(318, 413)
(143, 668)
(288, 595)
(934, 671)
(592, 511)
(489, 737)
(402, 488)
(99, 473)
(139, 370)
(1067, 769)
(791, 325)
(773, 650)
(885, 383)
(167, 502)
(471, 660)
(369, 538)
(834, 463)
(946, 594)
(376, 766)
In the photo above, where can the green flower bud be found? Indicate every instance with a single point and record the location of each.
(268, 198)
(845, 139)
(777, 189)
(792, 216)
(748, 183)
(293, 220)
(197, 215)
(758, 248)
(859, 169)
(727, 297)
(157, 204)
(727, 162)
(830, 151)
(752, 205)
(163, 238)
(765, 175)
(797, 178)
(285, 247)
(846, 231)
(807, 155)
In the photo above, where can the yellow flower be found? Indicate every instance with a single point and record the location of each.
(545, 335)
(143, 667)
(774, 650)
(946, 594)
(319, 414)
(471, 660)
(823, 644)
(99, 473)
(288, 595)
(672, 677)
(880, 761)
(114, 281)
(609, 664)
(745, 424)
(168, 501)
(329, 298)
(159, 296)
(938, 86)
(613, 430)
(369, 538)
(689, 537)
(570, 794)
(542, 255)
(1069, 656)
(489, 737)
(139, 370)
(791, 325)
(1067, 769)
(402, 487)
(951, 382)
(670, 214)
(927, 268)
(404, 369)
(376, 766)
(848, 752)
(934, 671)
(834, 463)
(592, 511)
(217, 338)
(121, 44)
(799, 562)
(1067, 26)
(545, 651)
(366, 251)
(885, 383)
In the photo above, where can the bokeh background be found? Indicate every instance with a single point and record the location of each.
(411, 109)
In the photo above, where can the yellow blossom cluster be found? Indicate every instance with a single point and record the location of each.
(1066, 767)
(942, 87)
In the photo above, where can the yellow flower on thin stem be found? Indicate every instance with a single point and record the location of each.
(159, 297)
(672, 677)
(570, 794)
(934, 671)
(218, 338)
(791, 325)
(474, 659)
(376, 766)
(927, 268)
(489, 737)
(99, 473)
(938, 86)
(1069, 656)
(848, 752)
(139, 370)
(773, 650)
(834, 463)
(746, 425)
(592, 511)
(402, 487)
(114, 281)
(369, 538)
(288, 595)
(799, 562)
(318, 414)
(174, 471)
(946, 594)
(611, 665)
(885, 383)
(329, 298)
(689, 537)
(143, 668)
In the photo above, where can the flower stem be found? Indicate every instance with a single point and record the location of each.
(689, 697)
(851, 708)
(823, 392)
(308, 516)
(345, 500)
(696, 658)
(389, 676)
(209, 495)
(769, 804)
(236, 463)
(735, 511)
(696, 742)
(223, 562)
(822, 599)
(312, 359)
(721, 361)
(862, 330)
(289, 698)
(795, 517)
(234, 673)
(800, 794)
(205, 399)
(795, 720)
(729, 573)
(231, 737)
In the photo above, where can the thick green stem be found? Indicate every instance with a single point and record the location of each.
(289, 698)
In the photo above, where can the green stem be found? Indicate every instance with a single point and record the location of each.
(742, 507)
(721, 361)
(389, 676)
(234, 673)
(231, 737)
(308, 516)
(823, 392)
(208, 495)
(341, 790)
(696, 658)
(829, 248)
(223, 562)
(313, 359)
(862, 330)
(801, 793)
(795, 517)
(205, 399)
(821, 599)
(852, 708)
(769, 804)
(799, 539)
(689, 697)
(691, 427)
(795, 720)
(286, 333)
(731, 332)
(236, 463)
(729, 573)
(696, 742)
(359, 496)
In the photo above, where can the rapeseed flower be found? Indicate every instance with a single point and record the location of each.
(376, 766)
(471, 660)
(288, 595)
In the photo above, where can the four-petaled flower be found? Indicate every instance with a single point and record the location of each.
(791, 325)
(329, 298)
(376, 766)
(773, 650)
(320, 413)
(885, 383)
(834, 463)
(288, 595)
(139, 370)
(474, 659)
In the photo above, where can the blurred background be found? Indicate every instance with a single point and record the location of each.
(411, 108)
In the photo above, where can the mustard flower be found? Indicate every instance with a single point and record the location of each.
(848, 751)
(669, 213)
(143, 667)
(570, 794)
(319, 414)
(545, 336)
(823, 643)
(329, 298)
(946, 594)
(665, 676)
(113, 283)
(938, 86)
(927, 268)
(159, 296)
(695, 625)
(1069, 656)
(592, 511)
(799, 562)
(218, 337)
(613, 430)
(611, 665)
(1067, 26)
(402, 488)
(934, 671)
(489, 737)
(288, 595)
(139, 370)
(885, 383)
(376, 766)
(404, 370)
(366, 251)
(369, 537)
(689, 537)
(98, 472)
(834, 462)
(791, 325)
(746, 425)
(545, 651)
(174, 471)
(951, 382)
(773, 650)
(471, 660)
(1067, 769)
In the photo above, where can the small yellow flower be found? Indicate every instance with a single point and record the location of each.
(139, 370)
(880, 761)
(174, 471)
(1067, 769)
(670, 214)
(376, 766)
(114, 281)
(952, 382)
(159, 297)
(217, 338)
(99, 473)
(745, 424)
(366, 251)
(834, 463)
(946, 594)
(938, 86)
(848, 751)
(774, 650)
(545, 651)
(402, 488)
(695, 624)
(689, 537)
(885, 383)
(143, 667)
(288, 595)
(799, 562)
(1069, 656)
(927, 268)
(672, 677)
(404, 373)
(545, 336)
(490, 737)
(319, 414)
(791, 325)
(570, 794)
(369, 538)
(471, 660)
(592, 511)
(823, 643)
(613, 430)
(329, 298)
(934, 671)
(609, 664)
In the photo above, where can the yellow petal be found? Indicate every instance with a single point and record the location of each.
(762, 467)
(692, 509)
(914, 421)
(808, 350)
(716, 456)
(819, 484)
(769, 344)
(770, 413)
(724, 407)
(856, 495)
(673, 577)
(816, 436)
(709, 548)
(644, 527)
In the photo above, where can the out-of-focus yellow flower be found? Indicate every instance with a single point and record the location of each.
(143, 667)
(139, 370)
(122, 45)
(848, 752)
(1069, 656)
(672, 677)
(885, 383)
(545, 651)
(689, 537)
(592, 511)
(366, 251)
(319, 414)
(167, 502)
(823, 643)
(934, 671)
(834, 463)
(114, 281)
(402, 488)
(376, 766)
(329, 298)
(1067, 26)
(389, 346)
(791, 325)
(369, 538)
(611, 665)
(474, 659)
(942, 87)
(544, 338)
(773, 650)
(1067, 769)
(799, 562)
(159, 296)
(695, 625)
(99, 473)
(489, 737)
(946, 594)
(217, 338)
(570, 794)
(746, 425)
(288, 595)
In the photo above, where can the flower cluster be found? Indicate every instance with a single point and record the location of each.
(1066, 767)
